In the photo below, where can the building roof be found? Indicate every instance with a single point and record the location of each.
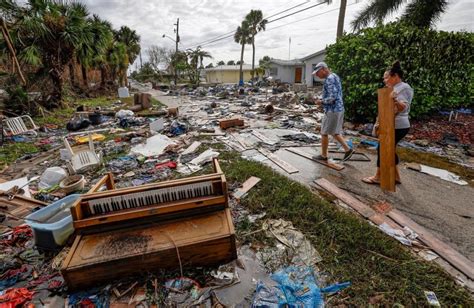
(318, 53)
(245, 67)
(287, 62)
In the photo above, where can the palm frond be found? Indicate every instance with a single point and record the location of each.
(424, 13)
(375, 11)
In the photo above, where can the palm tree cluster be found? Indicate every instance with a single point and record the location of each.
(245, 34)
(52, 35)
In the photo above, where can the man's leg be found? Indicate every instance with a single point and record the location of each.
(343, 142)
(324, 145)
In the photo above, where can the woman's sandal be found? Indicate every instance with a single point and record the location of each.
(370, 180)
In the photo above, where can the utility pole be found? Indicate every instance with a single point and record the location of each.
(289, 48)
(176, 54)
(340, 22)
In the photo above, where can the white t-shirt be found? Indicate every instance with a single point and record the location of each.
(404, 94)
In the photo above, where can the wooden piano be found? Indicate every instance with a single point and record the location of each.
(184, 222)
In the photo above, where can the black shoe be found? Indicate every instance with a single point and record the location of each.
(348, 155)
(320, 157)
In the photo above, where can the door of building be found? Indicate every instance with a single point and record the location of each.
(298, 74)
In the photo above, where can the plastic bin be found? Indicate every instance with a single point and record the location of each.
(52, 225)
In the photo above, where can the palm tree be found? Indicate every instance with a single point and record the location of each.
(256, 24)
(242, 36)
(196, 57)
(340, 20)
(131, 40)
(420, 13)
(88, 55)
(220, 63)
(48, 32)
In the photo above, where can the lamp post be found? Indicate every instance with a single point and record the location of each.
(176, 42)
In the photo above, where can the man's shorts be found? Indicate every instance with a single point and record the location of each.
(332, 123)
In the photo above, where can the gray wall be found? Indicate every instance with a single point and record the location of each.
(285, 73)
(309, 64)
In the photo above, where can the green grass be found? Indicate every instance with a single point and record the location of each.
(9, 152)
(352, 250)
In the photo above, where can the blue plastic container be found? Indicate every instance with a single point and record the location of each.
(52, 225)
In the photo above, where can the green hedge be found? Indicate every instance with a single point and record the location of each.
(438, 65)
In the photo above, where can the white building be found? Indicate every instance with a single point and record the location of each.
(289, 71)
(310, 63)
(297, 70)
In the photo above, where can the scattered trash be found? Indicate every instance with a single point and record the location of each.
(432, 299)
(72, 183)
(296, 287)
(157, 125)
(15, 297)
(440, 173)
(153, 146)
(51, 176)
(85, 139)
(399, 235)
(292, 245)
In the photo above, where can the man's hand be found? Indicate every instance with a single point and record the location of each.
(318, 101)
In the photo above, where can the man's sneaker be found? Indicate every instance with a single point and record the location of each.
(348, 155)
(320, 157)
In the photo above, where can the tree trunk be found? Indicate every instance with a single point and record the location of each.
(340, 22)
(84, 76)
(241, 73)
(253, 58)
(72, 73)
(103, 76)
(57, 79)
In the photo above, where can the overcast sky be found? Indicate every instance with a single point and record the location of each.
(202, 20)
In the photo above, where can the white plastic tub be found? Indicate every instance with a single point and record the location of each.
(52, 225)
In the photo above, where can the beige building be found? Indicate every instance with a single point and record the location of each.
(228, 73)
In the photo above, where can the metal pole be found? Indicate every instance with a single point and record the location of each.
(177, 41)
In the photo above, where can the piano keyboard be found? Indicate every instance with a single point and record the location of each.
(152, 197)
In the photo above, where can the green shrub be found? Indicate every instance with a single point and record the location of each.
(438, 65)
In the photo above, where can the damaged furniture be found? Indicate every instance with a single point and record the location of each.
(170, 224)
(83, 159)
(18, 126)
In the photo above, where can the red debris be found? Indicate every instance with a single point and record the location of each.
(15, 297)
(169, 164)
(20, 234)
(437, 127)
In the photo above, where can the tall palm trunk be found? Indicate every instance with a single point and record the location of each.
(85, 81)
(340, 22)
(72, 73)
(241, 73)
(103, 76)
(253, 57)
(57, 79)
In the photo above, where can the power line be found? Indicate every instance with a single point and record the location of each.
(302, 10)
(229, 34)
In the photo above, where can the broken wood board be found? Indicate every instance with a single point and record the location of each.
(310, 157)
(263, 138)
(282, 164)
(246, 186)
(17, 209)
(386, 139)
(241, 141)
(456, 259)
(193, 147)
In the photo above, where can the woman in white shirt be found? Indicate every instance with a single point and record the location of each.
(402, 95)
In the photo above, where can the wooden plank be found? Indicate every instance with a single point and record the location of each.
(386, 139)
(282, 164)
(456, 259)
(263, 138)
(241, 141)
(310, 157)
(246, 186)
(345, 197)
